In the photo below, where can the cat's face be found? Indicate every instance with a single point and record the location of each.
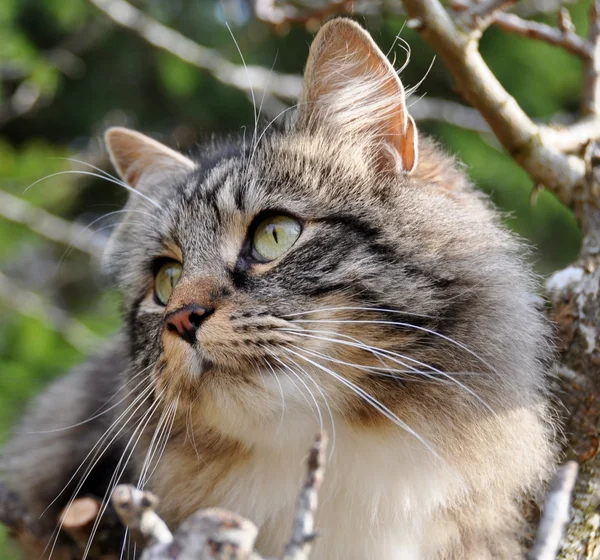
(320, 264)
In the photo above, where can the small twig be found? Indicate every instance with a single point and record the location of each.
(591, 71)
(78, 519)
(565, 23)
(565, 38)
(303, 532)
(136, 510)
(482, 14)
(557, 513)
(216, 534)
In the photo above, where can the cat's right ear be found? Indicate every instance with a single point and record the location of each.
(352, 90)
(138, 158)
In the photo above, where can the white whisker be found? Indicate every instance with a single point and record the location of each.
(369, 399)
(97, 175)
(398, 324)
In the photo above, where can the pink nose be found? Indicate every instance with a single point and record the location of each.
(187, 320)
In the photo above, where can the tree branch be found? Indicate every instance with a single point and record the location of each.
(261, 80)
(556, 515)
(519, 135)
(591, 70)
(33, 305)
(565, 38)
(216, 534)
(49, 226)
(303, 531)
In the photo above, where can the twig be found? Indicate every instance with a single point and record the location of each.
(216, 534)
(303, 531)
(33, 305)
(49, 226)
(565, 38)
(556, 514)
(519, 135)
(284, 86)
(591, 71)
(482, 14)
(573, 138)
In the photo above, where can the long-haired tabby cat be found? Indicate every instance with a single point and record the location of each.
(337, 271)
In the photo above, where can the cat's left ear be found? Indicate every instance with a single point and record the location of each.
(139, 159)
(352, 89)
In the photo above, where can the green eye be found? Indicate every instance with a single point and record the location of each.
(274, 236)
(165, 280)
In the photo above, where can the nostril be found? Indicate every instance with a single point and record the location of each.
(186, 321)
(199, 315)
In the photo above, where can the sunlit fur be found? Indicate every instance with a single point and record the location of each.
(401, 321)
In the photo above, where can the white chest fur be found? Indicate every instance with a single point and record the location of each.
(381, 496)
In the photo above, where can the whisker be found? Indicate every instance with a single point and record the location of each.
(280, 391)
(116, 477)
(388, 354)
(333, 430)
(380, 407)
(247, 77)
(399, 324)
(145, 393)
(100, 170)
(351, 308)
(98, 414)
(97, 175)
(161, 444)
(299, 378)
(96, 453)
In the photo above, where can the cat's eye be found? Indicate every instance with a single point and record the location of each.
(165, 280)
(274, 236)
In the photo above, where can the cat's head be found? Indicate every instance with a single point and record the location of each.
(332, 260)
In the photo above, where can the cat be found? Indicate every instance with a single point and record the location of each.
(337, 271)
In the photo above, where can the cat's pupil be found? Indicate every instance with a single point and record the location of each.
(274, 232)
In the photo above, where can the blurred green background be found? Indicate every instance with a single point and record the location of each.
(67, 73)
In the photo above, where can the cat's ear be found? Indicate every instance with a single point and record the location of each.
(351, 88)
(137, 157)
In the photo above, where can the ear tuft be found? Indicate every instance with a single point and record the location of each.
(352, 89)
(137, 157)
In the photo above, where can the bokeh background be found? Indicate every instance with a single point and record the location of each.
(67, 73)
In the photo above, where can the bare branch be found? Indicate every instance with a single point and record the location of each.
(448, 112)
(557, 513)
(519, 135)
(303, 531)
(284, 86)
(216, 534)
(136, 510)
(77, 519)
(482, 14)
(49, 226)
(565, 38)
(591, 71)
(573, 138)
(33, 305)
